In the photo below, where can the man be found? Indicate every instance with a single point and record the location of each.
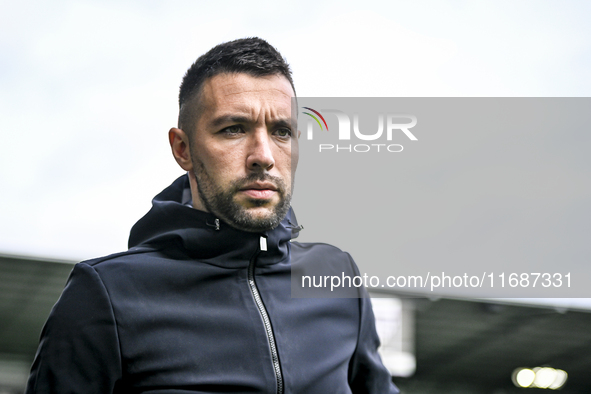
(200, 303)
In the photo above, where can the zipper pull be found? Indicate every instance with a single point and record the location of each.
(263, 244)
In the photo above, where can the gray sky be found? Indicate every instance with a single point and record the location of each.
(89, 88)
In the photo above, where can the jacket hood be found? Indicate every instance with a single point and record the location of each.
(206, 237)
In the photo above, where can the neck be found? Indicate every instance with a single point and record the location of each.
(195, 197)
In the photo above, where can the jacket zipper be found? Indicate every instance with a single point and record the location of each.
(265, 316)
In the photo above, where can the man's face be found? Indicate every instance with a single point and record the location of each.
(243, 149)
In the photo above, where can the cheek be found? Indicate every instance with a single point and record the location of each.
(294, 157)
(224, 165)
(288, 158)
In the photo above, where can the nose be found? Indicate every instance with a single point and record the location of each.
(260, 155)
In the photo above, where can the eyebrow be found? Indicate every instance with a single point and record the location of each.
(226, 119)
(282, 123)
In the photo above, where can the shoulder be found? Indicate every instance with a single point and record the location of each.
(311, 253)
(314, 252)
(134, 259)
(129, 256)
(118, 270)
(323, 270)
(89, 279)
(318, 248)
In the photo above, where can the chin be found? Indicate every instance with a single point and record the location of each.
(254, 204)
(260, 213)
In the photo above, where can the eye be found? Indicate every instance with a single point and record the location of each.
(283, 133)
(232, 130)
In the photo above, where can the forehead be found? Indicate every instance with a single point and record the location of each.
(244, 92)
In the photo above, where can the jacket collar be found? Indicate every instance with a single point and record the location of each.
(205, 237)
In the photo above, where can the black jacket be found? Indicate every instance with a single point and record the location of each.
(195, 306)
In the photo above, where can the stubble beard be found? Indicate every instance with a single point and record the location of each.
(221, 202)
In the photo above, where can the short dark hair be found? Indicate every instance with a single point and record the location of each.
(253, 56)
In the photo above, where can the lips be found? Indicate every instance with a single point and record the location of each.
(259, 190)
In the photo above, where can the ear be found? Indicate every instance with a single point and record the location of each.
(179, 143)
